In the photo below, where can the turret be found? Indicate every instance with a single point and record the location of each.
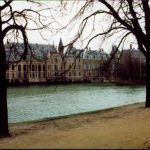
(60, 47)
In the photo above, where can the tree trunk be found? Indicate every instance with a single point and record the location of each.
(3, 93)
(147, 104)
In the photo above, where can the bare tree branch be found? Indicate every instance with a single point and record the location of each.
(7, 3)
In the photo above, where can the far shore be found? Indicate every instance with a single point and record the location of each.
(120, 127)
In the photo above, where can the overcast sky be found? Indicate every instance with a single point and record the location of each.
(62, 20)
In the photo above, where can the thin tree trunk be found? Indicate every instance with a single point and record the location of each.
(3, 93)
(147, 104)
(3, 105)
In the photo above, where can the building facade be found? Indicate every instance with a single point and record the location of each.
(54, 65)
(93, 61)
(128, 64)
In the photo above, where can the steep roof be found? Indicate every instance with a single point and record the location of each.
(60, 47)
(135, 53)
(95, 54)
(38, 51)
(73, 52)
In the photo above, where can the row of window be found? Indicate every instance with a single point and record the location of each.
(42, 67)
(38, 67)
(90, 66)
(35, 75)
(69, 74)
(91, 73)
(24, 75)
(49, 67)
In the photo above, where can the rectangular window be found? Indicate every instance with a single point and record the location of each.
(49, 67)
(43, 67)
(12, 75)
(89, 73)
(56, 60)
(24, 68)
(35, 67)
(32, 67)
(39, 67)
(56, 67)
(19, 67)
(33, 75)
(12, 67)
(84, 67)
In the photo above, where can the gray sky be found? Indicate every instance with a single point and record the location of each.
(68, 34)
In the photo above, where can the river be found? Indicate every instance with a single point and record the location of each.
(39, 102)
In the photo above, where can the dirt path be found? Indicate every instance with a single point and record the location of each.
(123, 127)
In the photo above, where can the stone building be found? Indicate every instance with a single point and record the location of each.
(51, 64)
(54, 65)
(73, 60)
(27, 72)
(93, 60)
(128, 64)
(32, 70)
(132, 64)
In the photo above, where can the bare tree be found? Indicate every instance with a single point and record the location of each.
(13, 27)
(126, 19)
(131, 67)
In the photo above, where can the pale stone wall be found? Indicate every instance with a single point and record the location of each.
(33, 71)
(56, 68)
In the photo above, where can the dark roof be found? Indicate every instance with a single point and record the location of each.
(95, 54)
(73, 52)
(135, 53)
(38, 51)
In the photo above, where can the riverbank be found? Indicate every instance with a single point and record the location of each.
(122, 127)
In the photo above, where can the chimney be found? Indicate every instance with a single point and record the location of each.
(130, 47)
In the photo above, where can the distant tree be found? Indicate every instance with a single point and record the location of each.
(125, 19)
(130, 67)
(13, 27)
(126, 65)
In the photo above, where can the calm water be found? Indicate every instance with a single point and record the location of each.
(38, 102)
